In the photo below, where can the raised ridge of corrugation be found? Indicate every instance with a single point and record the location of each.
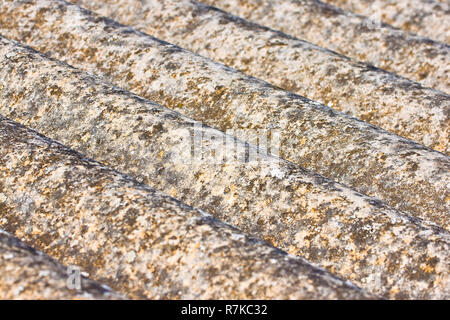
(27, 274)
(414, 57)
(428, 18)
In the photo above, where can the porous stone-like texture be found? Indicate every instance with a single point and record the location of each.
(136, 239)
(414, 57)
(29, 274)
(380, 98)
(429, 18)
(406, 175)
(352, 235)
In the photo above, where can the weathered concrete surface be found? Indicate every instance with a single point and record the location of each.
(352, 235)
(380, 98)
(136, 239)
(429, 18)
(28, 274)
(407, 176)
(355, 36)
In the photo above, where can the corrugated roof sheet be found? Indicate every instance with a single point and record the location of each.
(174, 206)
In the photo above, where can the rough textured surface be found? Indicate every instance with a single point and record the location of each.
(411, 56)
(406, 175)
(28, 274)
(380, 98)
(136, 239)
(350, 234)
(429, 18)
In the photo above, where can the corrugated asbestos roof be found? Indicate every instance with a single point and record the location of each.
(252, 150)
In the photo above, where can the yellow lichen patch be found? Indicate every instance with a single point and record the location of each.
(427, 268)
(173, 192)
